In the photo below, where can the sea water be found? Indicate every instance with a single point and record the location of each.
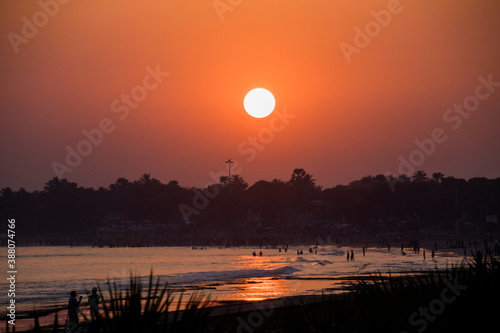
(46, 275)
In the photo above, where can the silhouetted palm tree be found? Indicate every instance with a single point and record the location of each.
(145, 179)
(120, 184)
(419, 176)
(7, 192)
(437, 177)
(301, 178)
(59, 185)
(238, 182)
(65, 207)
(148, 182)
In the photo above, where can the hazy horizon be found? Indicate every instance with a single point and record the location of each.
(211, 181)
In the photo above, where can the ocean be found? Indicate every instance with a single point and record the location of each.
(46, 275)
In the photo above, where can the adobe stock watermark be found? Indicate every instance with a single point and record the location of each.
(30, 27)
(223, 6)
(253, 144)
(425, 315)
(453, 116)
(249, 148)
(255, 318)
(201, 199)
(363, 37)
(122, 107)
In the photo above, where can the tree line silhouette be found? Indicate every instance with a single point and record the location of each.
(371, 204)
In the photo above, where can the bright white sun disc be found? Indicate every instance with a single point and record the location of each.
(259, 103)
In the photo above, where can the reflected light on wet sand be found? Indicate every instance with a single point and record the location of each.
(258, 289)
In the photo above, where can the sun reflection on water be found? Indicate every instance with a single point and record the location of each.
(260, 288)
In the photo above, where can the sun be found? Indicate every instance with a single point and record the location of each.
(259, 103)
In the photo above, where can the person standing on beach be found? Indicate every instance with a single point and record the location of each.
(364, 251)
(347, 255)
(424, 255)
(93, 301)
(73, 307)
(352, 255)
(433, 254)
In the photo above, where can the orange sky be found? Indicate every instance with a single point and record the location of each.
(352, 118)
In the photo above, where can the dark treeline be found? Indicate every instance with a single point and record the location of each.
(371, 204)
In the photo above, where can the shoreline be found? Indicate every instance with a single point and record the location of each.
(274, 240)
(236, 308)
(221, 309)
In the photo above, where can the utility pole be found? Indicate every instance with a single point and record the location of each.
(229, 161)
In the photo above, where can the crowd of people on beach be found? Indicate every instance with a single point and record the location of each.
(350, 254)
(407, 245)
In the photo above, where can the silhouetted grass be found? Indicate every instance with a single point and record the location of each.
(144, 309)
(399, 303)
(130, 311)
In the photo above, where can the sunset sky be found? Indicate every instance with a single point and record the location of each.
(348, 104)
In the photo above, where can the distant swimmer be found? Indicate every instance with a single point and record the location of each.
(254, 254)
(260, 254)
